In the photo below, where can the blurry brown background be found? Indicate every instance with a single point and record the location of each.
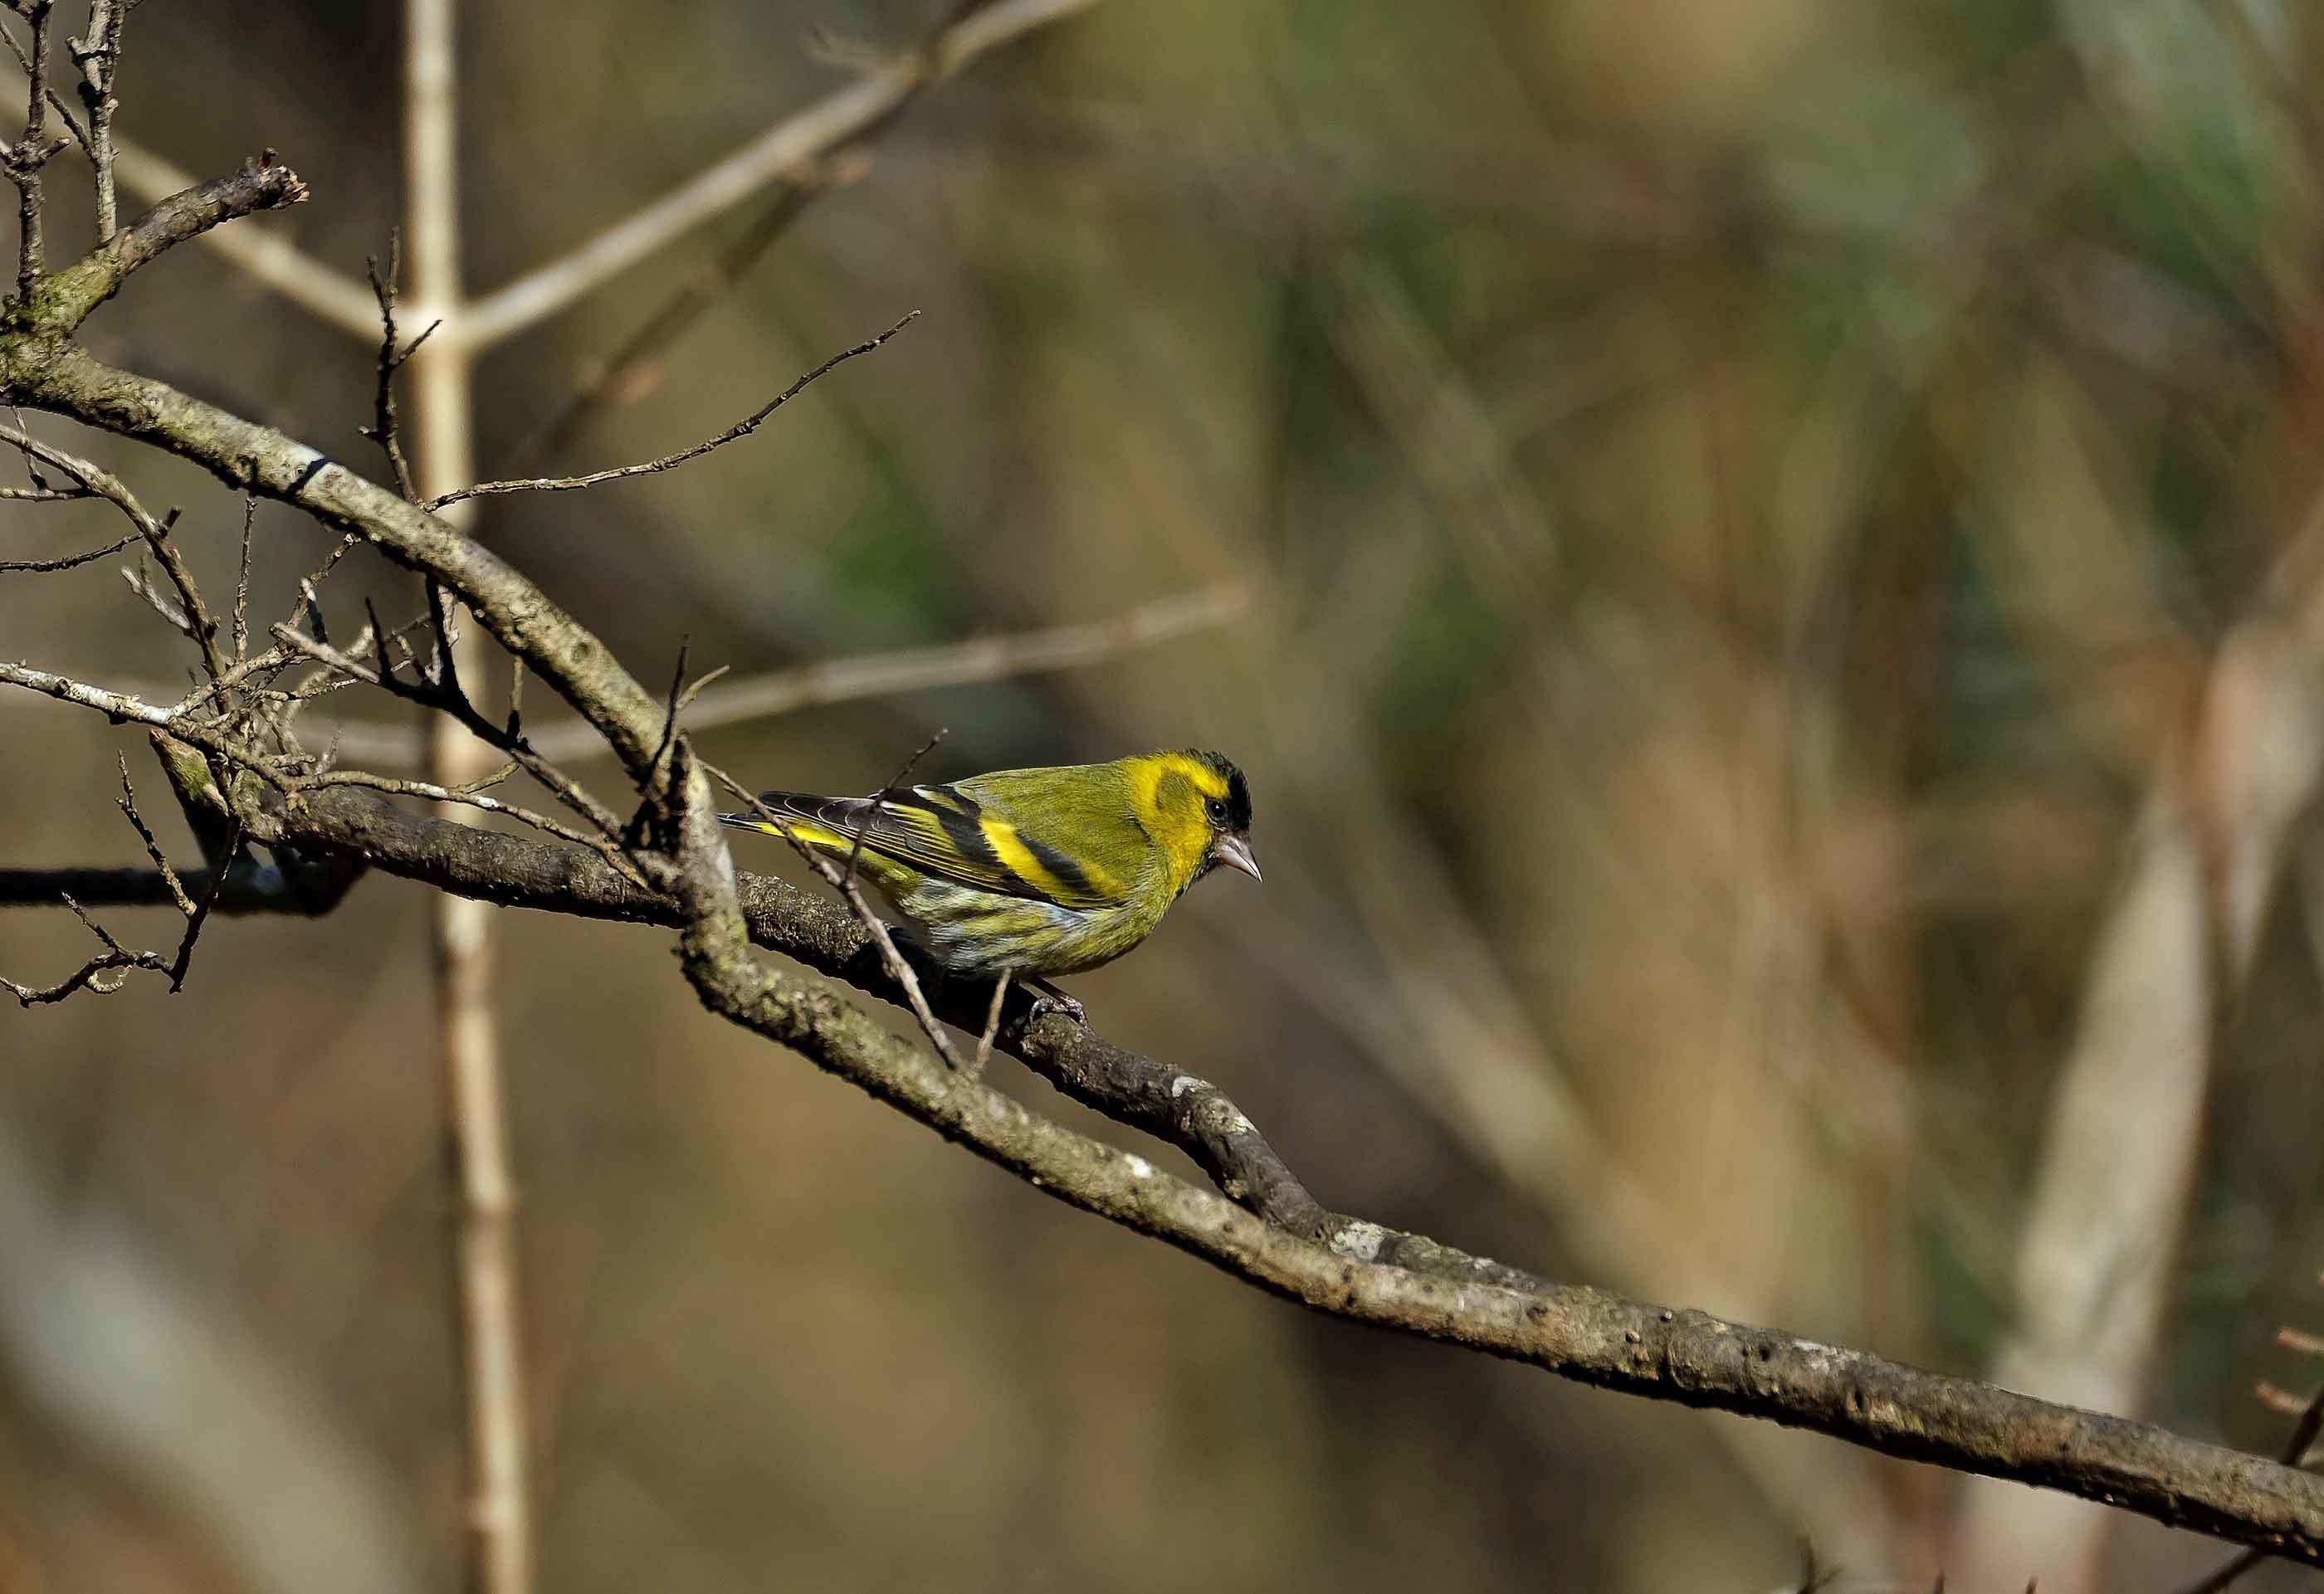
(1742, 498)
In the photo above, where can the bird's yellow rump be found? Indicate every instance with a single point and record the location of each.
(1034, 872)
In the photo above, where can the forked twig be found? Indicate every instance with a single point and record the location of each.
(117, 959)
(383, 429)
(428, 692)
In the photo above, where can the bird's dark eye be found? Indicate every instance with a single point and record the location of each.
(1218, 810)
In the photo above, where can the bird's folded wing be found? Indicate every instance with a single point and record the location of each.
(942, 832)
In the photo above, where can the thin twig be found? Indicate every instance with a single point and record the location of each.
(116, 957)
(117, 707)
(992, 1026)
(331, 296)
(891, 959)
(8, 567)
(740, 429)
(196, 621)
(199, 625)
(201, 913)
(471, 795)
(242, 582)
(382, 428)
(429, 695)
(99, 57)
(873, 674)
(25, 158)
(90, 973)
(632, 370)
(55, 101)
(880, 801)
(127, 803)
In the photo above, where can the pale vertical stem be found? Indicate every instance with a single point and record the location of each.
(441, 411)
(105, 20)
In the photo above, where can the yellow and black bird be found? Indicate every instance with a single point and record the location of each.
(1034, 872)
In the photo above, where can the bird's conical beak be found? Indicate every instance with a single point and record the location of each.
(1234, 852)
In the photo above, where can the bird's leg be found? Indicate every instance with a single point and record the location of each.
(991, 1028)
(1051, 1000)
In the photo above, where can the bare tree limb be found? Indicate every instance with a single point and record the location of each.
(65, 299)
(268, 258)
